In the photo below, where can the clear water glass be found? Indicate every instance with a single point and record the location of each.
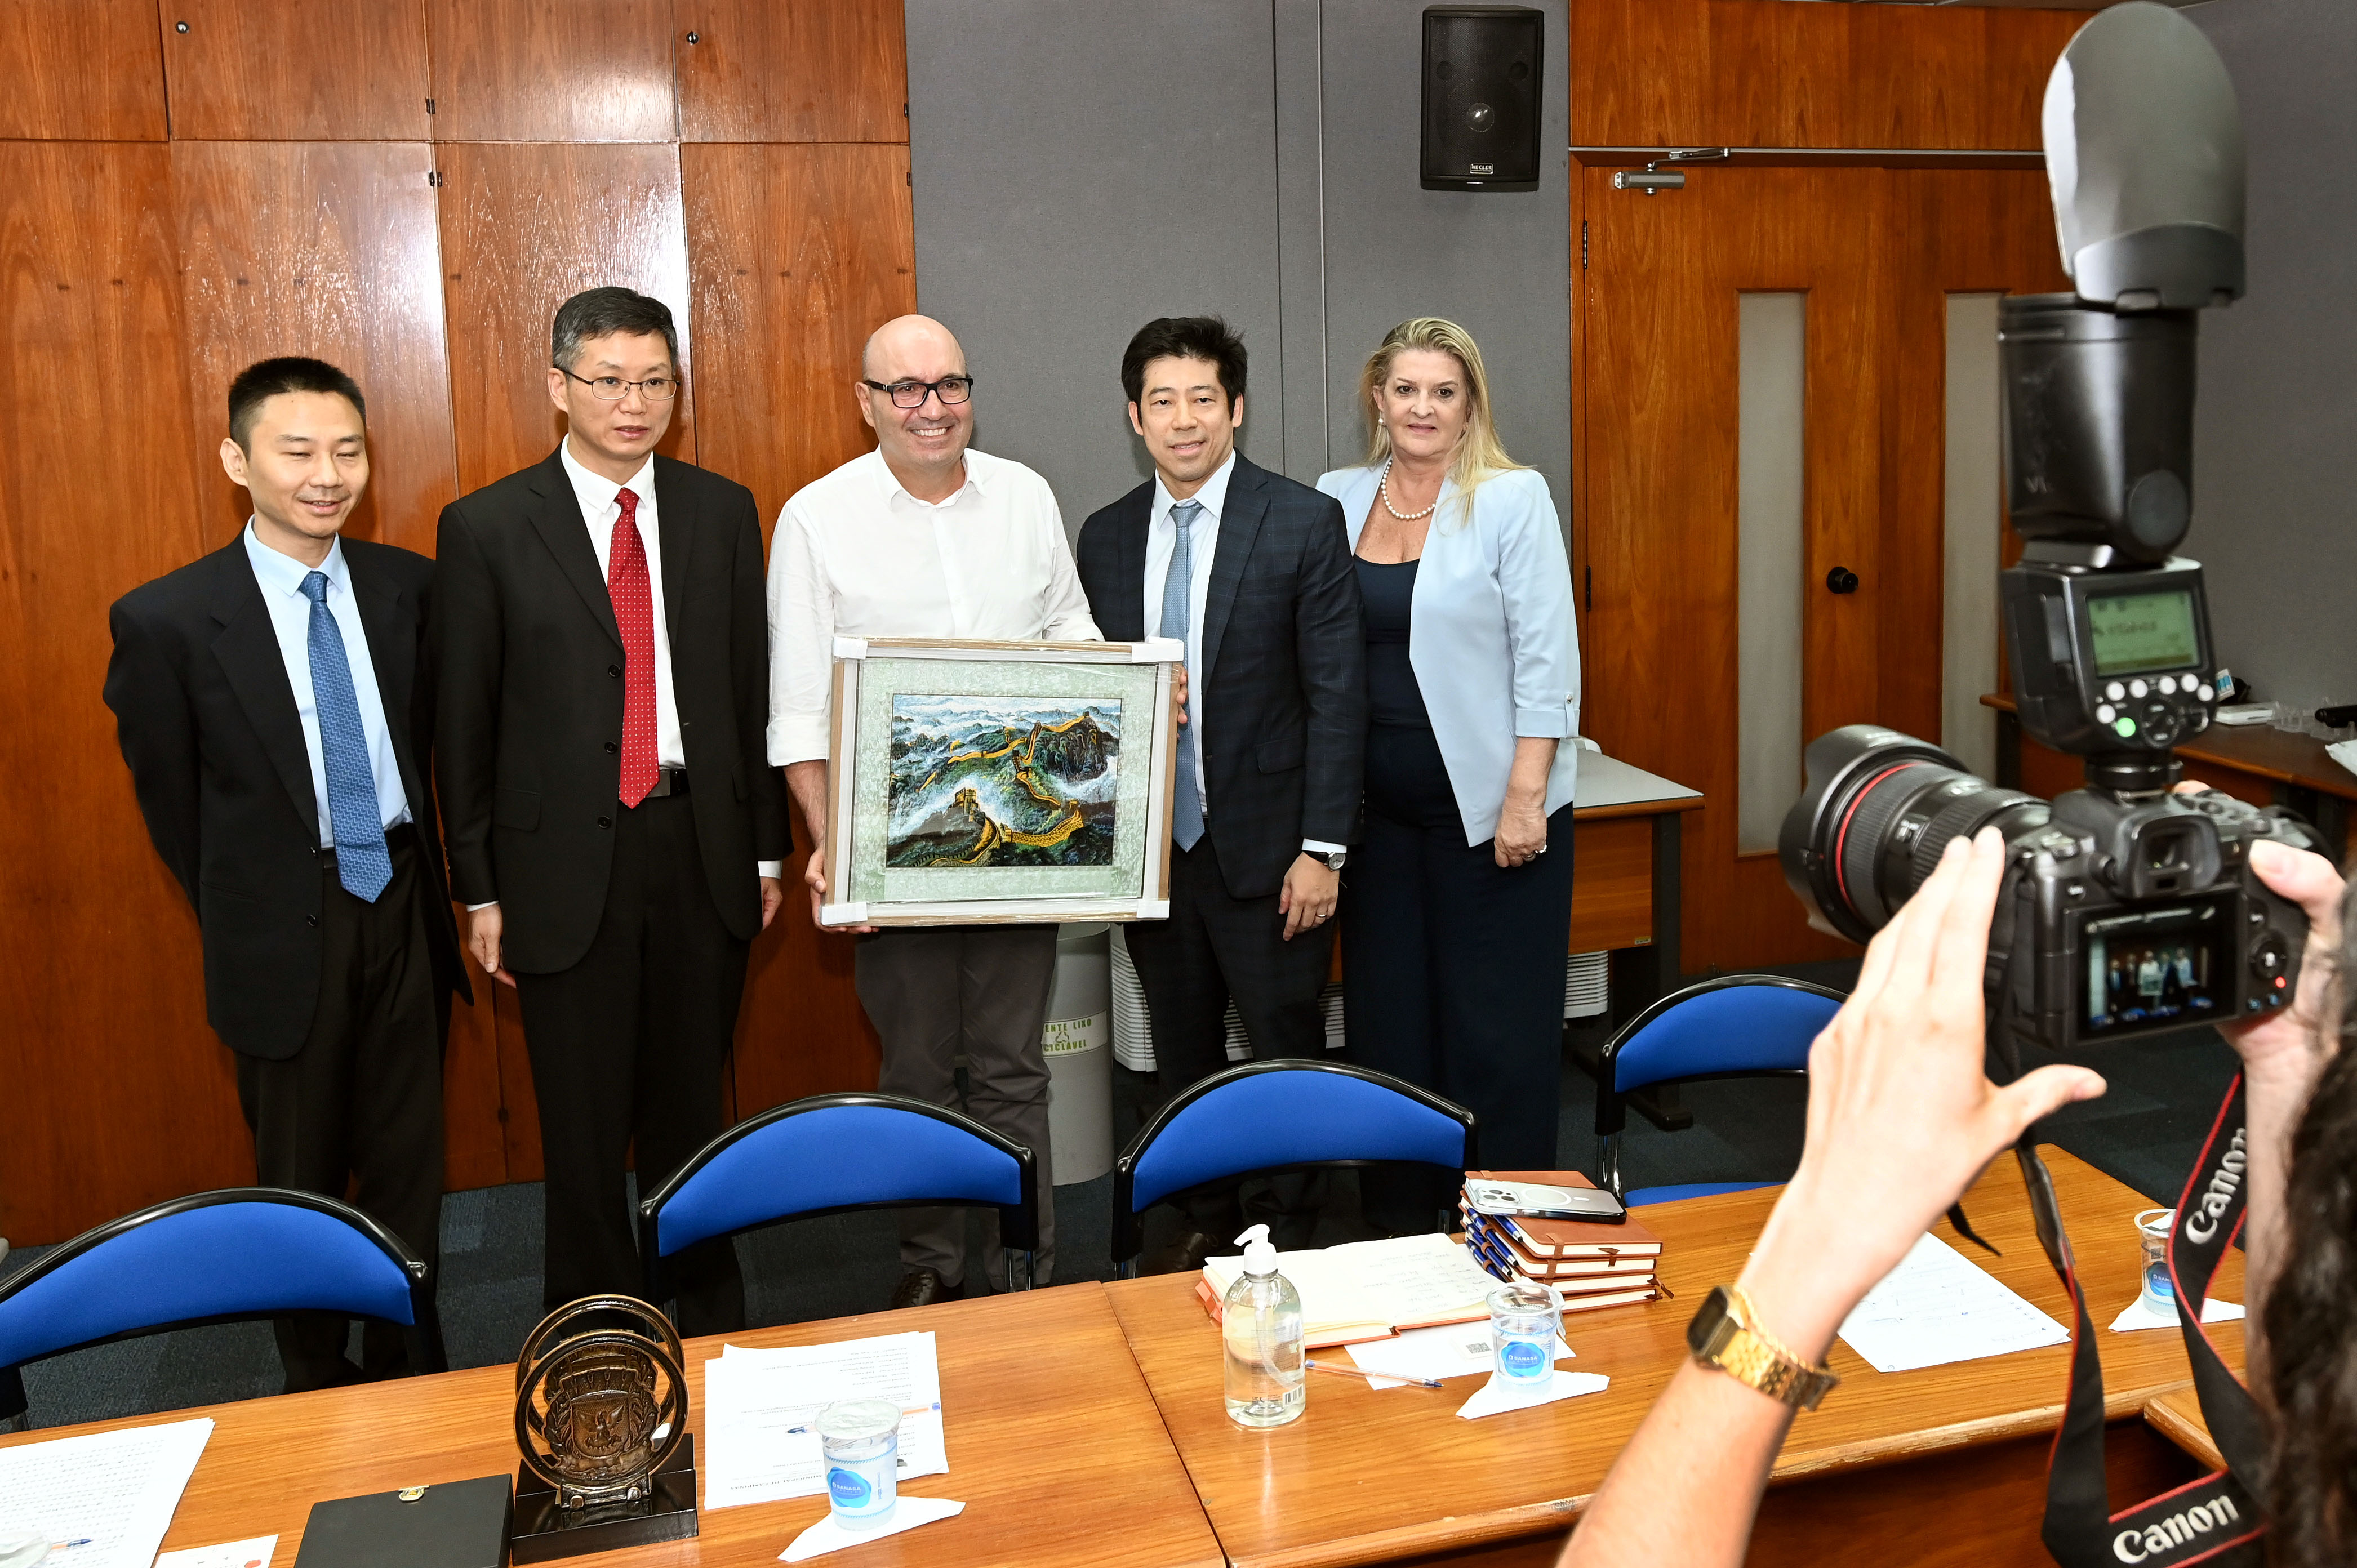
(2152, 1227)
(861, 1442)
(1524, 1321)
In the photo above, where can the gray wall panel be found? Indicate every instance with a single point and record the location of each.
(1078, 169)
(2275, 460)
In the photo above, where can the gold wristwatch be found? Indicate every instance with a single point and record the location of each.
(1725, 1334)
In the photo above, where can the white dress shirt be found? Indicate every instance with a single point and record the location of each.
(281, 578)
(855, 554)
(600, 509)
(1203, 545)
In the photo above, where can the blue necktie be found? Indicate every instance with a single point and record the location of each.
(363, 865)
(1187, 804)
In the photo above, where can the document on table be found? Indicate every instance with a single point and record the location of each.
(111, 1493)
(1939, 1306)
(254, 1553)
(760, 1408)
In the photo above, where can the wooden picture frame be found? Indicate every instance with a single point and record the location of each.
(977, 783)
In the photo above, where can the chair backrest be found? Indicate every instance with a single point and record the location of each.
(244, 1253)
(1738, 1024)
(837, 1152)
(1280, 1115)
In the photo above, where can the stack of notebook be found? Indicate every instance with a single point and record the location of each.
(1593, 1266)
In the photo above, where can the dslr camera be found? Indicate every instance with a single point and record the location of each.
(2127, 909)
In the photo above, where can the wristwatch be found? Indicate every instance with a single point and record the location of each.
(1331, 859)
(1725, 1335)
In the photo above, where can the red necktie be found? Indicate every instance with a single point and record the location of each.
(634, 612)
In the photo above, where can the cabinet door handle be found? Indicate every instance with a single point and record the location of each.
(1841, 580)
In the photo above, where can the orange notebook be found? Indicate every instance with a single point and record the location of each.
(1568, 1273)
(1549, 1240)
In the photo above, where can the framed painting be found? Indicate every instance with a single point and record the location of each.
(989, 782)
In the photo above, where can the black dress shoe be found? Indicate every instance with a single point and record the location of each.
(921, 1287)
(1183, 1256)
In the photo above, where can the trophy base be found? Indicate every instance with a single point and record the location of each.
(544, 1532)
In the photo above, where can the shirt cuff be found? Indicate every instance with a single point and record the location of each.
(798, 737)
(1320, 846)
(1544, 723)
(773, 868)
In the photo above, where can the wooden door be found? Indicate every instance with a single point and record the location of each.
(1872, 252)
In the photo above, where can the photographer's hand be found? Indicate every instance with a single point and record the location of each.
(1902, 1120)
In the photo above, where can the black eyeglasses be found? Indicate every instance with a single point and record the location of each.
(912, 394)
(611, 388)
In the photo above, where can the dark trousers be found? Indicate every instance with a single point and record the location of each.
(1215, 947)
(1453, 970)
(359, 1105)
(932, 994)
(627, 1046)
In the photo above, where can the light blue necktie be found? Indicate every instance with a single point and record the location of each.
(1187, 804)
(363, 865)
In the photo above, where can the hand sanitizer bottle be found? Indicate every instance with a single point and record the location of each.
(1261, 1325)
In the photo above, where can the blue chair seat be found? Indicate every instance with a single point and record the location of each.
(1649, 1194)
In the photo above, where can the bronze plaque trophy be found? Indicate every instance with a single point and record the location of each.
(601, 1417)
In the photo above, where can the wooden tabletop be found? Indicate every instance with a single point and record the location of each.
(1053, 1447)
(2263, 749)
(1370, 1476)
(2176, 1415)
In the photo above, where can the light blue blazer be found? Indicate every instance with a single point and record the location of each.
(1491, 633)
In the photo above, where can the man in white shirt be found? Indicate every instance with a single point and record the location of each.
(926, 537)
(272, 705)
(614, 831)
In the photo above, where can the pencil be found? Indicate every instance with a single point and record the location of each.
(1362, 1372)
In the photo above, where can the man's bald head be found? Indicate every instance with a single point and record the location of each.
(906, 341)
(924, 445)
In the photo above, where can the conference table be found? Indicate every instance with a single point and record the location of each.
(1084, 1425)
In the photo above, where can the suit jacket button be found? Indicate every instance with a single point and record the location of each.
(615, 670)
(605, 821)
(311, 920)
(611, 748)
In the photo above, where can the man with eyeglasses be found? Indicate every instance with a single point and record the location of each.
(614, 831)
(926, 537)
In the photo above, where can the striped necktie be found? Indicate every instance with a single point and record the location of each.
(364, 863)
(1186, 799)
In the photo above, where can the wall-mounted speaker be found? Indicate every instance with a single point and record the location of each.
(1481, 75)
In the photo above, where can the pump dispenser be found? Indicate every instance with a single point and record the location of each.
(1260, 1329)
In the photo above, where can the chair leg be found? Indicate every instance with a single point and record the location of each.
(1608, 1163)
(1030, 1270)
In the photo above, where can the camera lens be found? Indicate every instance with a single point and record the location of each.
(1878, 809)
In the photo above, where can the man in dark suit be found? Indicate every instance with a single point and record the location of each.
(1254, 572)
(604, 662)
(274, 701)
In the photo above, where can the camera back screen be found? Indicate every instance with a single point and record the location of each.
(2137, 632)
(2158, 969)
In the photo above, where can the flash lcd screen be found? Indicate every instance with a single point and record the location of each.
(2137, 632)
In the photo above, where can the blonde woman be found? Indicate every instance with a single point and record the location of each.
(1457, 904)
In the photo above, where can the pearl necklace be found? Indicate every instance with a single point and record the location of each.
(1384, 485)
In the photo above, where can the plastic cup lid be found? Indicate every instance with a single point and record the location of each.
(847, 1421)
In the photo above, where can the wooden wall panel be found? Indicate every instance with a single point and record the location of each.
(553, 70)
(324, 70)
(327, 249)
(792, 71)
(117, 1093)
(81, 70)
(1786, 73)
(797, 253)
(523, 228)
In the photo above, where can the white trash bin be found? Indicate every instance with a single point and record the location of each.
(1078, 1044)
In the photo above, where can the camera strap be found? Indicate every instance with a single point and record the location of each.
(2215, 1519)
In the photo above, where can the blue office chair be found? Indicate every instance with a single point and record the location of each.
(833, 1153)
(1742, 1025)
(1281, 1115)
(213, 1257)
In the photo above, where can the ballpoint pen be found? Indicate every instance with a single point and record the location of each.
(1362, 1372)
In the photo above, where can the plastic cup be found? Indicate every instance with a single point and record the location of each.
(1524, 1321)
(2152, 1227)
(861, 1442)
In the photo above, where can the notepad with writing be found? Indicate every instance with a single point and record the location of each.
(1551, 1239)
(1371, 1289)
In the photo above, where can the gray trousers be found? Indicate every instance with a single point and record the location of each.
(934, 992)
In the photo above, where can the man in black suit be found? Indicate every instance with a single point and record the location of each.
(1254, 572)
(604, 659)
(274, 701)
